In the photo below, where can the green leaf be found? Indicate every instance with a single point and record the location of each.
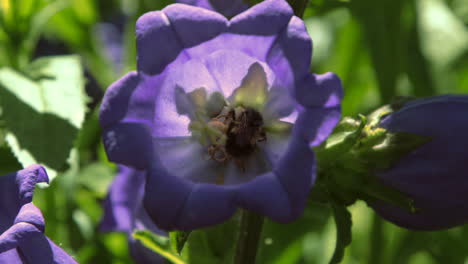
(43, 112)
(343, 231)
(283, 243)
(158, 244)
(97, 177)
(212, 245)
(8, 162)
(178, 239)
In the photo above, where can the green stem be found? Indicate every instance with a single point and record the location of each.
(376, 238)
(249, 236)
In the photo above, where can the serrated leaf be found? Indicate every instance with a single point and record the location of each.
(343, 231)
(43, 112)
(178, 239)
(158, 244)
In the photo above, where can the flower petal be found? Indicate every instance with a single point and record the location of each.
(228, 8)
(290, 54)
(195, 25)
(315, 124)
(426, 219)
(165, 195)
(266, 18)
(30, 214)
(229, 67)
(444, 121)
(16, 234)
(16, 189)
(265, 195)
(41, 250)
(124, 198)
(188, 158)
(115, 103)
(296, 172)
(207, 204)
(172, 111)
(127, 143)
(320, 90)
(157, 43)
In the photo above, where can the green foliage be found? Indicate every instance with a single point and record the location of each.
(178, 239)
(52, 114)
(158, 244)
(343, 231)
(212, 245)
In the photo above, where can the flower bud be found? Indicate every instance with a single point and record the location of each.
(435, 174)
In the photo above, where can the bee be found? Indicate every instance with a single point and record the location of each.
(242, 129)
(244, 132)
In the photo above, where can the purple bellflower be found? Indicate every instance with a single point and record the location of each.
(124, 212)
(228, 8)
(435, 175)
(22, 225)
(222, 114)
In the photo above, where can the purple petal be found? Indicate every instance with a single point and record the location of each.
(127, 143)
(27, 179)
(296, 172)
(315, 124)
(228, 8)
(438, 163)
(16, 189)
(266, 195)
(123, 201)
(207, 204)
(157, 43)
(165, 195)
(17, 233)
(11, 256)
(40, 249)
(131, 99)
(194, 25)
(116, 101)
(426, 219)
(320, 90)
(290, 54)
(266, 18)
(229, 67)
(171, 111)
(29, 213)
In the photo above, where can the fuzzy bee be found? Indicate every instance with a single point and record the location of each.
(241, 129)
(244, 133)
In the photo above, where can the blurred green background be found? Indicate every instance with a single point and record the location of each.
(381, 50)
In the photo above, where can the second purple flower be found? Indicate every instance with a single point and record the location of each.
(222, 114)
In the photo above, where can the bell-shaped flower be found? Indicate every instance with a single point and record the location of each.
(124, 212)
(22, 225)
(222, 114)
(435, 175)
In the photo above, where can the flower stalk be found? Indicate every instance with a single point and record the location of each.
(250, 231)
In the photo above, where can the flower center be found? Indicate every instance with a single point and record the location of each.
(239, 130)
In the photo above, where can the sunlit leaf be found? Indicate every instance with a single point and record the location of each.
(43, 112)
